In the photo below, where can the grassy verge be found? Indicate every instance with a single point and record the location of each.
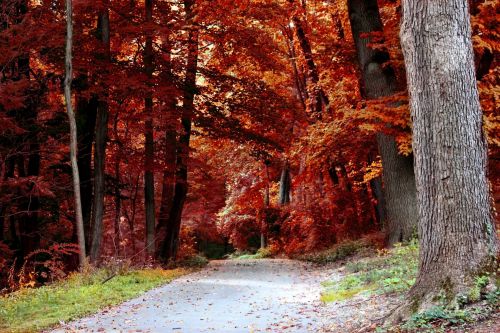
(30, 310)
(392, 271)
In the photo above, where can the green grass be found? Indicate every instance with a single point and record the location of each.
(30, 310)
(260, 254)
(343, 294)
(392, 271)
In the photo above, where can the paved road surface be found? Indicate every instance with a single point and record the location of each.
(228, 296)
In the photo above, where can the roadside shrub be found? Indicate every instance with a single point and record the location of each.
(260, 254)
(338, 252)
(193, 262)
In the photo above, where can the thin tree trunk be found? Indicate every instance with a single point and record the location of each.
(118, 201)
(73, 135)
(167, 194)
(317, 101)
(171, 244)
(458, 242)
(86, 113)
(379, 80)
(168, 187)
(285, 183)
(149, 190)
(267, 200)
(131, 220)
(101, 133)
(300, 85)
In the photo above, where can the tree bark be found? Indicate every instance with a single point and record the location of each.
(379, 80)
(149, 190)
(168, 182)
(86, 112)
(28, 221)
(285, 183)
(458, 242)
(101, 133)
(267, 201)
(171, 244)
(317, 99)
(300, 84)
(117, 194)
(73, 134)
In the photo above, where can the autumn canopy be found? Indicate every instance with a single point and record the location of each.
(208, 126)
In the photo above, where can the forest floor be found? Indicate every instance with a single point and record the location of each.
(266, 295)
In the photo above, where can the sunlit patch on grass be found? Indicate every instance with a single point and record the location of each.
(333, 295)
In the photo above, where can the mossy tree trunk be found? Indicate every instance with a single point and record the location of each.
(457, 233)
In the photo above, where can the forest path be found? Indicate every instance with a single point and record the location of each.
(266, 295)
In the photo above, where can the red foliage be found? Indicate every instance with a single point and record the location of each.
(252, 114)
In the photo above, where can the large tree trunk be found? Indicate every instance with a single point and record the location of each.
(73, 135)
(149, 183)
(101, 133)
(457, 235)
(171, 244)
(379, 80)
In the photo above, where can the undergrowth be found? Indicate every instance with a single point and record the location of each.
(30, 310)
(196, 261)
(392, 271)
(440, 319)
(260, 254)
(338, 252)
